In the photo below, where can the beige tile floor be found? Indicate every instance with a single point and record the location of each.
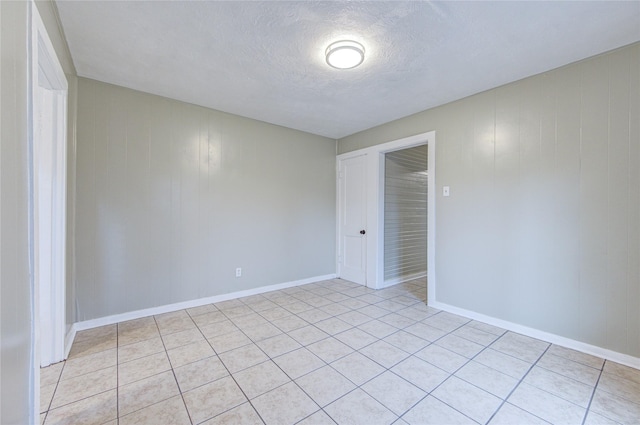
(325, 353)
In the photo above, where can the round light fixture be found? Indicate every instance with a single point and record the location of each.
(345, 54)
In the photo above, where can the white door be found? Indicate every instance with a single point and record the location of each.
(352, 211)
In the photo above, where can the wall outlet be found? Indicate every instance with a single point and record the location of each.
(238, 272)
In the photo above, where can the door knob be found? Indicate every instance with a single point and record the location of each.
(362, 232)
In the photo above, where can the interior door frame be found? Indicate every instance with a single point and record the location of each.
(375, 156)
(48, 187)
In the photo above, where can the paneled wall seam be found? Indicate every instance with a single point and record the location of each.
(629, 178)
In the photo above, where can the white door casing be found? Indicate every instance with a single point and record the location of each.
(47, 117)
(352, 219)
(48, 198)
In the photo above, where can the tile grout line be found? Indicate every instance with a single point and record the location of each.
(229, 372)
(452, 374)
(79, 376)
(173, 372)
(117, 373)
(504, 401)
(46, 412)
(160, 334)
(593, 394)
(386, 369)
(601, 371)
(325, 363)
(427, 393)
(164, 346)
(278, 366)
(303, 296)
(399, 416)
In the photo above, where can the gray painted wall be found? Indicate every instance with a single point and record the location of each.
(172, 197)
(15, 304)
(542, 227)
(405, 214)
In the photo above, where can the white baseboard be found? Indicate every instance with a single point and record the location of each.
(603, 353)
(116, 318)
(402, 279)
(68, 340)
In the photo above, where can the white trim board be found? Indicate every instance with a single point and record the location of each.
(593, 350)
(47, 91)
(402, 279)
(116, 318)
(68, 340)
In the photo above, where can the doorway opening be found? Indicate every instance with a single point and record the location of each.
(405, 215)
(372, 201)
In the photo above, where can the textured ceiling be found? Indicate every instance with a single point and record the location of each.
(265, 60)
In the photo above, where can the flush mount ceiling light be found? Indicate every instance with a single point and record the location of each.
(345, 54)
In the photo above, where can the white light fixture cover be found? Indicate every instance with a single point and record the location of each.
(345, 54)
